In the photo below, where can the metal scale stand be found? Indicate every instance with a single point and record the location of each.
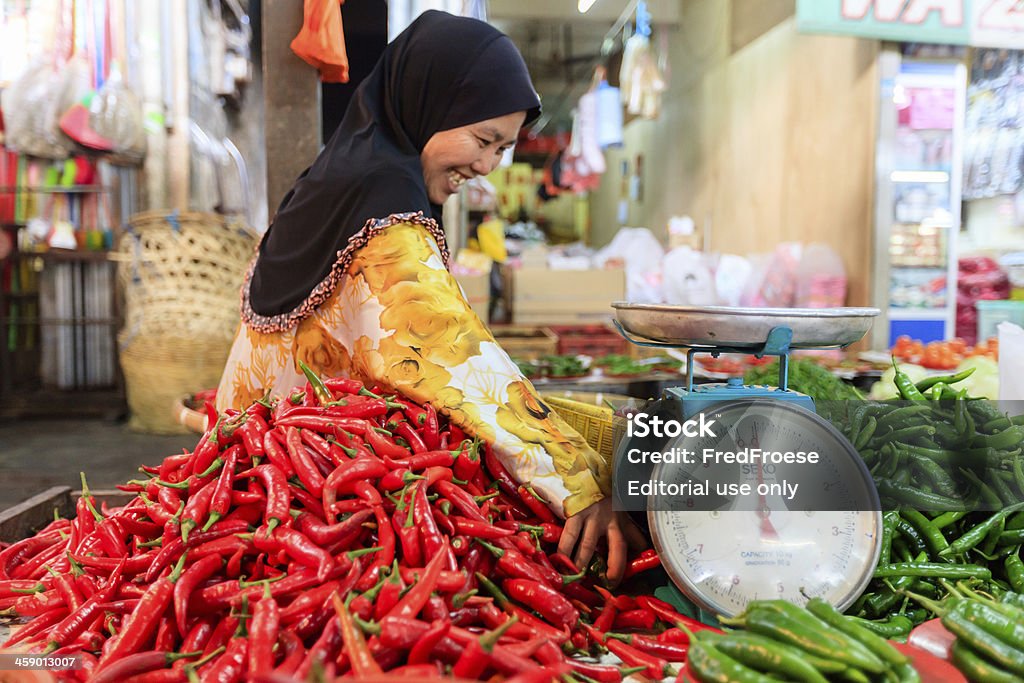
(722, 551)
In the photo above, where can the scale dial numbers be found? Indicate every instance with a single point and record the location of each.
(726, 551)
(715, 560)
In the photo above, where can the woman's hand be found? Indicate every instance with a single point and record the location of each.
(589, 525)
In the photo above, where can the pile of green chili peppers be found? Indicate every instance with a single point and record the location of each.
(781, 640)
(950, 472)
(989, 646)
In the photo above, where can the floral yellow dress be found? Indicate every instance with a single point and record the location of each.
(390, 313)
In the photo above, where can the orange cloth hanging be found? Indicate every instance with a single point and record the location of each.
(321, 42)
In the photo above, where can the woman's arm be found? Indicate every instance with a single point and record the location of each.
(406, 324)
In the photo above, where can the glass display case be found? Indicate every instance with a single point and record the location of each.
(918, 195)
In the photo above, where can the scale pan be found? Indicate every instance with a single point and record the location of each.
(724, 326)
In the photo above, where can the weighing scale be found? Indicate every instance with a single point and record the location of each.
(721, 554)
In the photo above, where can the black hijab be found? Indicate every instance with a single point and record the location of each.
(442, 72)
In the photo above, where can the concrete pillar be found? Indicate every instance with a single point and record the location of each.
(291, 100)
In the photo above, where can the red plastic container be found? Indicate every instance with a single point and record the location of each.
(589, 340)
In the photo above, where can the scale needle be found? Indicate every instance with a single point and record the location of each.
(763, 512)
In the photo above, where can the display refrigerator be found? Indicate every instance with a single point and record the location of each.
(917, 195)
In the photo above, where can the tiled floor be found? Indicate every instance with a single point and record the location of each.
(38, 454)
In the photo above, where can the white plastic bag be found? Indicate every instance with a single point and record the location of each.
(641, 254)
(1011, 362)
(773, 280)
(687, 278)
(821, 278)
(731, 276)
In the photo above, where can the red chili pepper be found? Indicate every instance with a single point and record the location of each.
(344, 385)
(384, 447)
(68, 592)
(230, 666)
(190, 579)
(142, 622)
(407, 533)
(220, 501)
(359, 655)
(431, 428)
(266, 620)
(640, 619)
(430, 534)
(276, 453)
(306, 602)
(462, 501)
(422, 461)
(406, 431)
(136, 664)
(251, 432)
(326, 424)
(544, 600)
(325, 535)
(668, 613)
(298, 547)
(416, 597)
(646, 560)
(467, 463)
(598, 672)
(304, 466)
(672, 652)
(480, 529)
(320, 445)
(477, 656)
(498, 471)
(345, 475)
(207, 450)
(420, 652)
(537, 506)
(387, 593)
(398, 479)
(294, 651)
(656, 667)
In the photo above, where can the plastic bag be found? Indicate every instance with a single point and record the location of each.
(639, 251)
(33, 105)
(687, 278)
(321, 41)
(1011, 362)
(773, 279)
(821, 278)
(116, 114)
(731, 277)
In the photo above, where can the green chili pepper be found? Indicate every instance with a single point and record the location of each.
(864, 437)
(320, 390)
(907, 530)
(902, 413)
(978, 533)
(874, 643)
(896, 626)
(931, 534)
(764, 654)
(933, 570)
(1015, 570)
(888, 527)
(991, 498)
(917, 498)
(906, 386)
(712, 666)
(1007, 439)
(948, 518)
(929, 382)
(934, 473)
(1016, 599)
(785, 621)
(976, 668)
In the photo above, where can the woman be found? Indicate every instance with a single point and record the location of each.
(351, 278)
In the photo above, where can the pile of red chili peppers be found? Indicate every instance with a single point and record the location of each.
(332, 532)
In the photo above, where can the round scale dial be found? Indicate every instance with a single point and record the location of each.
(762, 529)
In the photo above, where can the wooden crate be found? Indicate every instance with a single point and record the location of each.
(27, 517)
(526, 342)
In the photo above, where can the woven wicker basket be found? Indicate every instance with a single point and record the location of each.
(591, 416)
(180, 275)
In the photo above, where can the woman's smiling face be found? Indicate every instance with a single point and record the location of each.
(451, 157)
